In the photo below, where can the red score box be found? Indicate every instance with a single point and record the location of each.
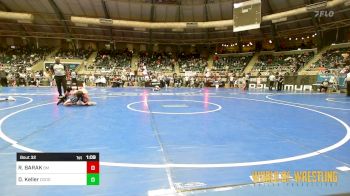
(93, 167)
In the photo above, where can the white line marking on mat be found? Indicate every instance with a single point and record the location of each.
(176, 113)
(28, 102)
(343, 168)
(332, 100)
(213, 165)
(318, 106)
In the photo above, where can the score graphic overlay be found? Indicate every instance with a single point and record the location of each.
(246, 15)
(58, 169)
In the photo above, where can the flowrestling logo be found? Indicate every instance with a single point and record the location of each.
(324, 14)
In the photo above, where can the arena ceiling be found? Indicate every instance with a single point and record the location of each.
(52, 19)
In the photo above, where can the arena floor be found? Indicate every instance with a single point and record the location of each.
(192, 141)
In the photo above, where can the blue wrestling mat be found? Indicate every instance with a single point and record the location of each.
(182, 141)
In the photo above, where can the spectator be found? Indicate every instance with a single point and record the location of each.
(280, 81)
(3, 77)
(324, 86)
(347, 79)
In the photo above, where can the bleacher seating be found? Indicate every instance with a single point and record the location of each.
(112, 59)
(192, 62)
(282, 63)
(231, 63)
(17, 63)
(111, 63)
(332, 59)
(73, 54)
(27, 56)
(157, 61)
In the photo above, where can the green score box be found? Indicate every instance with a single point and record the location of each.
(92, 179)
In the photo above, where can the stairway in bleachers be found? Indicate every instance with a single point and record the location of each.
(319, 56)
(177, 68)
(251, 63)
(81, 68)
(40, 64)
(304, 71)
(135, 61)
(210, 62)
(92, 58)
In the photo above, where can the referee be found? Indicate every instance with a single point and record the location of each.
(60, 76)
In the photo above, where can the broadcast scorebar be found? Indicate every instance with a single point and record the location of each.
(58, 169)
